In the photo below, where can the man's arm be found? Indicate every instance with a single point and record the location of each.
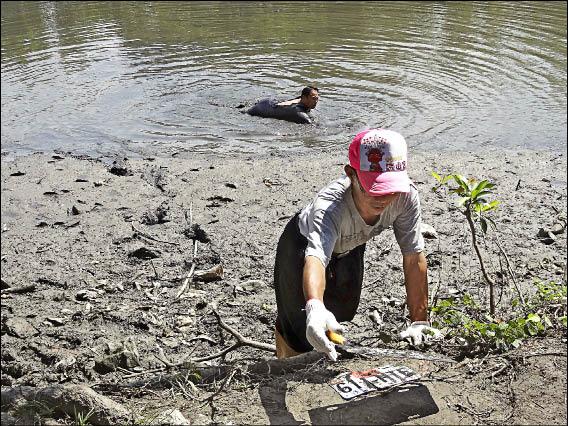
(314, 278)
(318, 318)
(416, 281)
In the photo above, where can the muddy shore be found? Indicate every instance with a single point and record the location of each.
(95, 256)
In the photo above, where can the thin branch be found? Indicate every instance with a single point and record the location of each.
(150, 237)
(226, 382)
(511, 273)
(243, 340)
(186, 281)
(218, 354)
(154, 268)
(185, 284)
(162, 358)
(480, 258)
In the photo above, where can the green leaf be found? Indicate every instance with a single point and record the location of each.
(480, 194)
(533, 318)
(503, 325)
(478, 188)
(532, 329)
(493, 204)
(459, 179)
(459, 190)
(436, 176)
(489, 206)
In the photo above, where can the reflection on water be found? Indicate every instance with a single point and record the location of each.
(158, 77)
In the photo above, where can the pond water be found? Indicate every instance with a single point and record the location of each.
(154, 78)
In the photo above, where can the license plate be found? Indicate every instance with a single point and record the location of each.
(355, 383)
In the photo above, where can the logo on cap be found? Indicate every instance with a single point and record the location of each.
(378, 155)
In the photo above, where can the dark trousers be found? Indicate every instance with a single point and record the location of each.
(343, 277)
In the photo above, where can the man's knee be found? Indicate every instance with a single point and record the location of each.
(283, 350)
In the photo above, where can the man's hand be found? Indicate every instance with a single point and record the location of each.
(318, 321)
(420, 332)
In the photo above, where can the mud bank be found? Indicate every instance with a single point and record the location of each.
(96, 258)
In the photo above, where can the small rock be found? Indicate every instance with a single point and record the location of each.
(19, 327)
(391, 301)
(545, 236)
(558, 228)
(438, 211)
(144, 253)
(433, 259)
(124, 359)
(157, 215)
(428, 231)
(171, 417)
(183, 321)
(376, 318)
(86, 295)
(197, 233)
(119, 168)
(58, 322)
(213, 274)
(65, 364)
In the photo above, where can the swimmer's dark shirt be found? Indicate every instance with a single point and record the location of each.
(269, 108)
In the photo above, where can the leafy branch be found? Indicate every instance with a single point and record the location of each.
(476, 332)
(475, 205)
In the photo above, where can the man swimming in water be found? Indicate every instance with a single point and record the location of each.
(295, 110)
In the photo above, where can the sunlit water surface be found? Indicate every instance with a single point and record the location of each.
(154, 78)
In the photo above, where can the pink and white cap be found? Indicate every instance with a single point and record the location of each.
(379, 156)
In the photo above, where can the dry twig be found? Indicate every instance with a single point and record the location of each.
(143, 234)
(241, 341)
(185, 284)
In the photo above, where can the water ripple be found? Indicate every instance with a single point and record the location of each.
(154, 75)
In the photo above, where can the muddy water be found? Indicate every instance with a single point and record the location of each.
(155, 78)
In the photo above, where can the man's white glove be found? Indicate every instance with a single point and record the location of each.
(420, 332)
(318, 321)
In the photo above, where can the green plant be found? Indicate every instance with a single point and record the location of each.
(82, 419)
(549, 300)
(467, 323)
(473, 199)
